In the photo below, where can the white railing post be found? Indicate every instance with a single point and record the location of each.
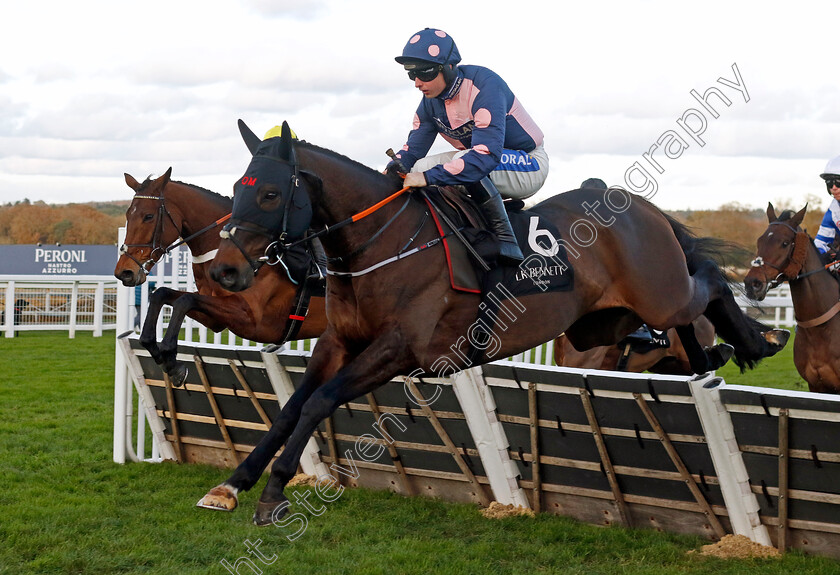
(98, 308)
(74, 309)
(125, 301)
(10, 309)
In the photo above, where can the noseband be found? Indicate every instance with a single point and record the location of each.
(792, 266)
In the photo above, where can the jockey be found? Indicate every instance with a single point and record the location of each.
(499, 148)
(830, 226)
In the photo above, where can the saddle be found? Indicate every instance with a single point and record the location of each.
(546, 266)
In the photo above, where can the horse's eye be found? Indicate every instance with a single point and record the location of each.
(785, 244)
(148, 217)
(271, 195)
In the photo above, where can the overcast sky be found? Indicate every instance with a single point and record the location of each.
(92, 89)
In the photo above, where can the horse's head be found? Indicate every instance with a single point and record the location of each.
(781, 252)
(149, 229)
(271, 209)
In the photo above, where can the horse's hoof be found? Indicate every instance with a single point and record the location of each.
(270, 512)
(221, 498)
(719, 354)
(777, 337)
(178, 374)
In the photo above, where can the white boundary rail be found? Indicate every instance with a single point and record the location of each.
(64, 303)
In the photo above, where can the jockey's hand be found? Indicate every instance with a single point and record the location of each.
(394, 167)
(415, 180)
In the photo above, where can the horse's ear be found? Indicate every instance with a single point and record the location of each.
(132, 183)
(165, 177)
(771, 213)
(796, 220)
(252, 141)
(287, 149)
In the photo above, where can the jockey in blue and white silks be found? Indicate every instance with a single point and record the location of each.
(830, 226)
(499, 148)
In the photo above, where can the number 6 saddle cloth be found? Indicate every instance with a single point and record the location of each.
(546, 266)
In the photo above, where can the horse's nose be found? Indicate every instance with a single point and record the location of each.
(225, 276)
(127, 277)
(754, 288)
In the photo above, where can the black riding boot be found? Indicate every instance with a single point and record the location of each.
(487, 196)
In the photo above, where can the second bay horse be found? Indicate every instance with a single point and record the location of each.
(671, 360)
(787, 254)
(390, 313)
(163, 210)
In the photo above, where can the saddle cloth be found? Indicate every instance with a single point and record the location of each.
(546, 266)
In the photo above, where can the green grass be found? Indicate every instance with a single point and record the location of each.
(65, 507)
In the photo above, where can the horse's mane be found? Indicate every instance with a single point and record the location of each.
(211, 193)
(307, 145)
(785, 216)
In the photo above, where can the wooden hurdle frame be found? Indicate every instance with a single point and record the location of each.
(669, 453)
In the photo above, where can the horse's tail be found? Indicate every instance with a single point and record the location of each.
(735, 327)
(699, 249)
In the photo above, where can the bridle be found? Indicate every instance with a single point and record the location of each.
(278, 244)
(155, 246)
(792, 266)
(791, 269)
(276, 248)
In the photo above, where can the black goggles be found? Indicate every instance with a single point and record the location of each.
(830, 182)
(426, 74)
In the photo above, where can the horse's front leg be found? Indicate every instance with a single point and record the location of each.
(157, 299)
(214, 312)
(326, 361)
(376, 365)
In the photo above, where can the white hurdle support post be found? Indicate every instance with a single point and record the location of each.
(480, 412)
(310, 460)
(146, 403)
(741, 504)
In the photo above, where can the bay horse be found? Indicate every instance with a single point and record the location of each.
(390, 313)
(163, 210)
(671, 360)
(786, 253)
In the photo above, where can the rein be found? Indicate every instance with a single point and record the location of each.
(206, 228)
(274, 251)
(351, 220)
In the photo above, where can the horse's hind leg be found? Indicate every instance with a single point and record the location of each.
(752, 340)
(702, 359)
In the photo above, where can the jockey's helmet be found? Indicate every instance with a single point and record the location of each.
(832, 169)
(430, 47)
